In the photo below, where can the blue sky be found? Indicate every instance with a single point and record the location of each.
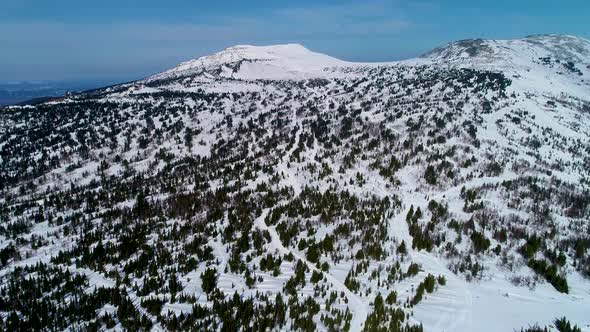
(122, 40)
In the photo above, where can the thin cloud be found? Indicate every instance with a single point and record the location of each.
(351, 19)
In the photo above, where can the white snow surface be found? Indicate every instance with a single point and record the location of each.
(289, 61)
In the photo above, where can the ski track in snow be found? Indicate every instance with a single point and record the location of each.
(457, 304)
(494, 304)
(456, 301)
(358, 307)
(290, 177)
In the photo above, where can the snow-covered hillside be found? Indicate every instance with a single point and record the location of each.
(277, 188)
(289, 61)
(542, 63)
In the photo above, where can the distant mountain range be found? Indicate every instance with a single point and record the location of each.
(15, 92)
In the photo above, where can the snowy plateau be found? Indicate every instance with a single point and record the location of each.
(274, 188)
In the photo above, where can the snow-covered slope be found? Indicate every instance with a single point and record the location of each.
(541, 62)
(289, 61)
(498, 53)
(274, 188)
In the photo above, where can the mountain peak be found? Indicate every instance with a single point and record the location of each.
(282, 61)
(266, 52)
(289, 46)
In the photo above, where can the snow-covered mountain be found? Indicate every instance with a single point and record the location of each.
(271, 187)
(559, 47)
(289, 61)
(541, 62)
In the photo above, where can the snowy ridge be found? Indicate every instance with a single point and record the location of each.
(561, 47)
(538, 63)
